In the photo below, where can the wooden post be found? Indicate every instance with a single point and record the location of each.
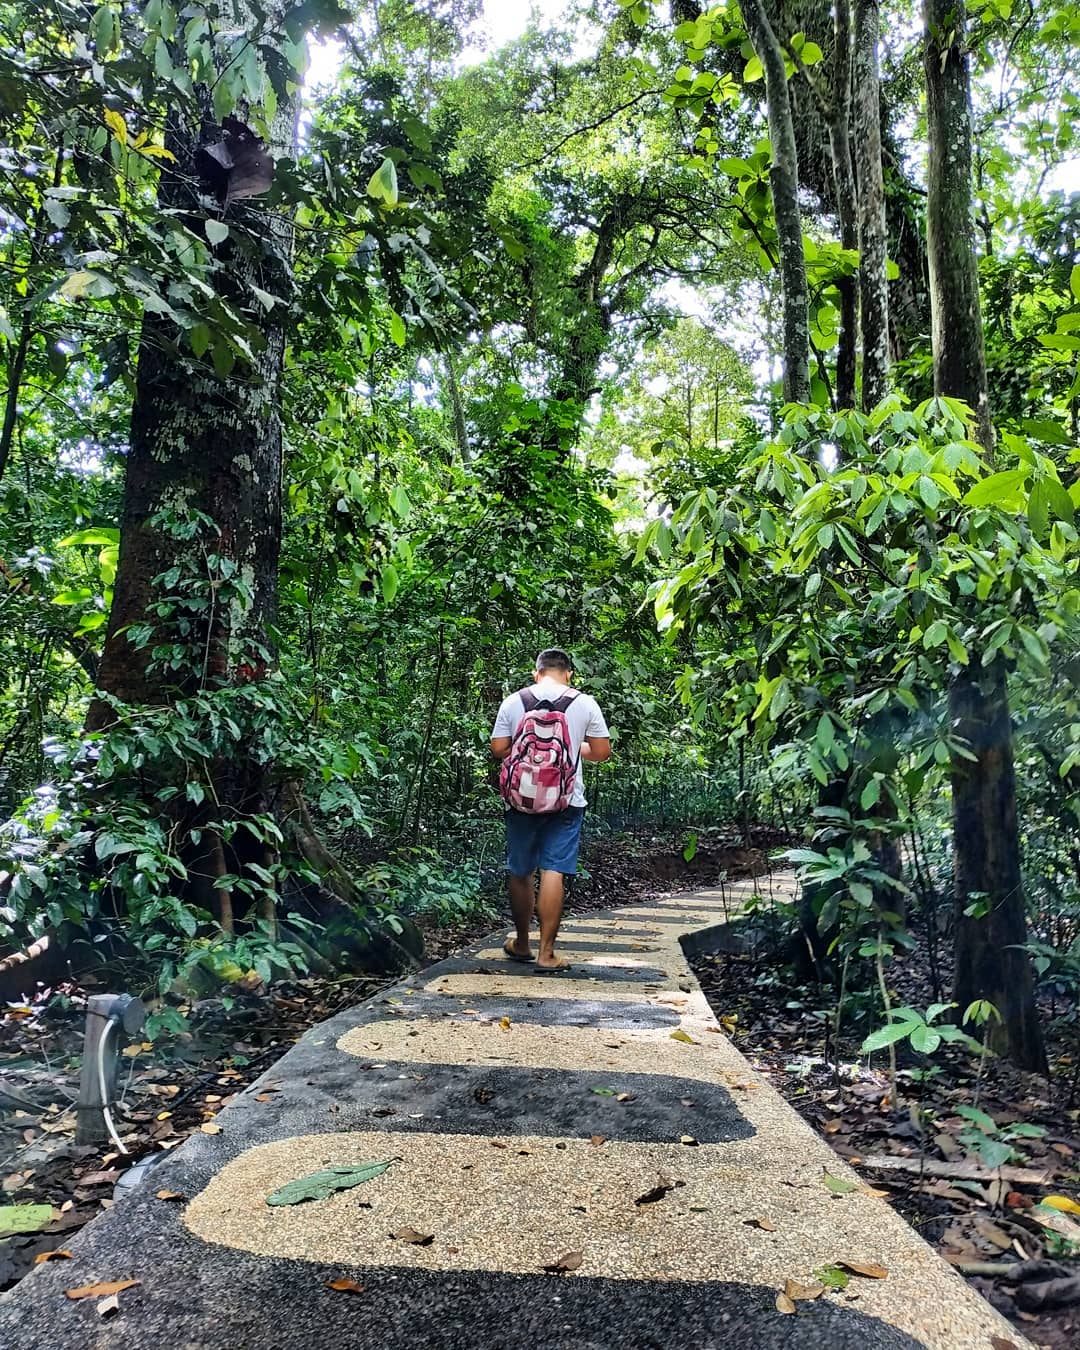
(102, 1009)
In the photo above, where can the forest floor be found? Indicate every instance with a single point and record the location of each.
(176, 1086)
(926, 1154)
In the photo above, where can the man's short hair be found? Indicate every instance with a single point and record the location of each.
(554, 658)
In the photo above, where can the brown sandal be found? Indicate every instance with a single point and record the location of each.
(512, 955)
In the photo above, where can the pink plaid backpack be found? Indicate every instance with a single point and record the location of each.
(538, 774)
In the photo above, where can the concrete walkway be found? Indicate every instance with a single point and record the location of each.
(599, 1115)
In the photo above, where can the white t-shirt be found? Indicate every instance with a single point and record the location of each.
(583, 718)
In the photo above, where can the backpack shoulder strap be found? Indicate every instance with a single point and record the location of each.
(528, 699)
(561, 704)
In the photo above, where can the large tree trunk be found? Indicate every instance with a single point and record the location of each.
(195, 596)
(989, 964)
(200, 445)
(784, 178)
(873, 242)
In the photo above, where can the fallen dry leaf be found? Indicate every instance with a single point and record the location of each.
(568, 1261)
(170, 1195)
(210, 1127)
(504, 1022)
(99, 1178)
(597, 1139)
(869, 1270)
(681, 1035)
(58, 1255)
(411, 1236)
(664, 1186)
(624, 1096)
(784, 1303)
(802, 1292)
(766, 1225)
(989, 1230)
(688, 1140)
(100, 1290)
(345, 1286)
(1003, 1343)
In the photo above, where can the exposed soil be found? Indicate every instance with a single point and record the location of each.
(923, 1153)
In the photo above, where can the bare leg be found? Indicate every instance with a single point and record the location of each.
(549, 908)
(522, 903)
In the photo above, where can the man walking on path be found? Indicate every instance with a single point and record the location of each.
(542, 734)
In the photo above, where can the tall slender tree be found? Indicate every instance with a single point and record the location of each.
(873, 242)
(989, 896)
(784, 179)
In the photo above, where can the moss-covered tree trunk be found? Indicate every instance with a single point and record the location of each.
(195, 601)
(989, 896)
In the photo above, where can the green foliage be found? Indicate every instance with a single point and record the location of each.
(995, 1145)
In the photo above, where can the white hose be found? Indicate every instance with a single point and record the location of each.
(106, 1115)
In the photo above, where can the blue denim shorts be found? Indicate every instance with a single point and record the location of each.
(549, 842)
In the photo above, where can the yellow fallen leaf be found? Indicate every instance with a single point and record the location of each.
(784, 1304)
(504, 1022)
(1062, 1203)
(681, 1035)
(210, 1127)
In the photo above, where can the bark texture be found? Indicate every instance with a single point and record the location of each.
(846, 204)
(784, 179)
(989, 961)
(956, 318)
(873, 241)
(986, 845)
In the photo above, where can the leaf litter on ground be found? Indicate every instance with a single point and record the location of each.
(930, 1176)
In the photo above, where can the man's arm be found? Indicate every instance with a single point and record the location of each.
(500, 746)
(595, 749)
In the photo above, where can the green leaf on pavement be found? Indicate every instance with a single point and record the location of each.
(319, 1185)
(837, 1185)
(832, 1277)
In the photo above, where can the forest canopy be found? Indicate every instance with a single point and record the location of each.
(349, 356)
